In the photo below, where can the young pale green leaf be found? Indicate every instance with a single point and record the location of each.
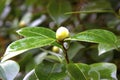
(106, 70)
(8, 70)
(56, 10)
(78, 71)
(50, 71)
(25, 44)
(36, 32)
(95, 36)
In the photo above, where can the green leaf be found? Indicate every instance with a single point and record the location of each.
(24, 59)
(106, 70)
(108, 47)
(78, 71)
(36, 32)
(2, 5)
(56, 10)
(102, 48)
(30, 75)
(106, 39)
(8, 70)
(108, 56)
(30, 65)
(50, 71)
(94, 75)
(96, 6)
(97, 71)
(73, 49)
(25, 44)
(95, 36)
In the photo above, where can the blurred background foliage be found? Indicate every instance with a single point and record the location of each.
(76, 15)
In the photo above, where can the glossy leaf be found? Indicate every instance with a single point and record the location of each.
(25, 44)
(56, 10)
(106, 70)
(97, 71)
(96, 36)
(50, 71)
(107, 47)
(104, 48)
(36, 32)
(78, 71)
(8, 70)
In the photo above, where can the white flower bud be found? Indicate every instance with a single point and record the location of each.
(62, 33)
(22, 24)
(55, 49)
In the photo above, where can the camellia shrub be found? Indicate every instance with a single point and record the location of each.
(64, 68)
(60, 39)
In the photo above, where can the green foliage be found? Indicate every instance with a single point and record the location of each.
(97, 71)
(23, 45)
(39, 37)
(105, 39)
(85, 54)
(2, 5)
(106, 70)
(37, 32)
(57, 11)
(50, 71)
(74, 49)
(96, 36)
(78, 71)
(95, 6)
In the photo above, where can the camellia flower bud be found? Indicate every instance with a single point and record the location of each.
(55, 49)
(62, 33)
(22, 24)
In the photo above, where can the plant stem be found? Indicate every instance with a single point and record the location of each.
(65, 52)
